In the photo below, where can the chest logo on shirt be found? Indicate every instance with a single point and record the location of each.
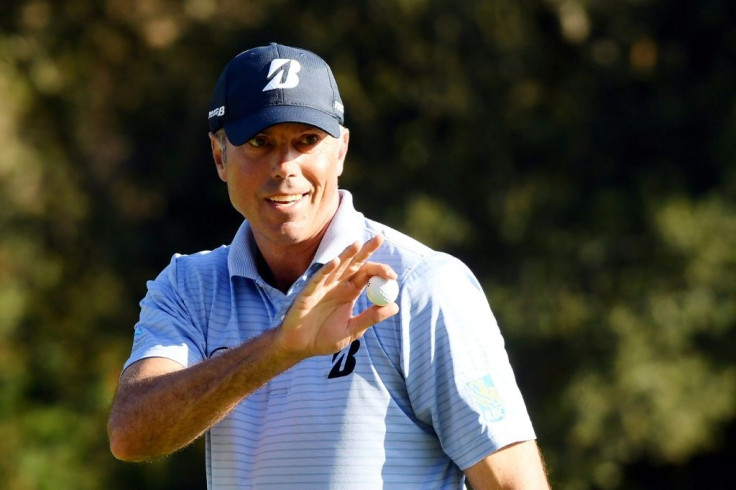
(344, 363)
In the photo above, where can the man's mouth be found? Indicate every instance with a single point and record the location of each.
(286, 199)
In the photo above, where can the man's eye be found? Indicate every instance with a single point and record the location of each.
(310, 139)
(257, 141)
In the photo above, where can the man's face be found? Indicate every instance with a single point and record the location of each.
(284, 182)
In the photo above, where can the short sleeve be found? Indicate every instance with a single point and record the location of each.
(459, 379)
(166, 327)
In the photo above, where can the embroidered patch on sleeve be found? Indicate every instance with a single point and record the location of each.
(486, 398)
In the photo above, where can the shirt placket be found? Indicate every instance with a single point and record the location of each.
(279, 386)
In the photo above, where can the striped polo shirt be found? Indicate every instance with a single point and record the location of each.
(418, 399)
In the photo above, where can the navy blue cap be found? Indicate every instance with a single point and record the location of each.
(275, 84)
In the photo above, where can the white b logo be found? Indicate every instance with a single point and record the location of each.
(282, 74)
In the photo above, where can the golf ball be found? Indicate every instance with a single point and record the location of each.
(382, 291)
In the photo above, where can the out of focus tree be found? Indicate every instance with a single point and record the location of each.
(579, 155)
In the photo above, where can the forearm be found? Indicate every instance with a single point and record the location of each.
(154, 415)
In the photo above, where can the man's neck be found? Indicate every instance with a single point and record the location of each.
(279, 273)
(282, 266)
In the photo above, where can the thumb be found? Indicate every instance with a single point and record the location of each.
(369, 317)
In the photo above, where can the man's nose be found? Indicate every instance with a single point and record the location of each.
(285, 163)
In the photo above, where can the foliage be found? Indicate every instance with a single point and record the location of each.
(578, 154)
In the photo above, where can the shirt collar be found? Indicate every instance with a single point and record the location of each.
(240, 259)
(344, 229)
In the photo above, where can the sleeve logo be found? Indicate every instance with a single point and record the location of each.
(486, 399)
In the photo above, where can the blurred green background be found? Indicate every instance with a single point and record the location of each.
(579, 155)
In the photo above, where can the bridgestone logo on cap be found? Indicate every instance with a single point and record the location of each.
(282, 74)
(219, 112)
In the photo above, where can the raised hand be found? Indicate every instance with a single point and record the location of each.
(320, 320)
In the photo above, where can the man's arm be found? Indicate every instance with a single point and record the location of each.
(161, 407)
(516, 466)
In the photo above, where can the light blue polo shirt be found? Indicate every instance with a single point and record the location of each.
(419, 398)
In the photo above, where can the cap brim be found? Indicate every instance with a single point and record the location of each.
(243, 129)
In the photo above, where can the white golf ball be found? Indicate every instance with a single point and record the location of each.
(381, 291)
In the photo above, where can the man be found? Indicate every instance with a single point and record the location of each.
(270, 347)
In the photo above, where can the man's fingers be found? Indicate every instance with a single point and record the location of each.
(353, 257)
(350, 268)
(346, 257)
(321, 315)
(370, 269)
(321, 276)
(357, 261)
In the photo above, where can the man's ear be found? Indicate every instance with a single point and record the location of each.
(218, 156)
(342, 149)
